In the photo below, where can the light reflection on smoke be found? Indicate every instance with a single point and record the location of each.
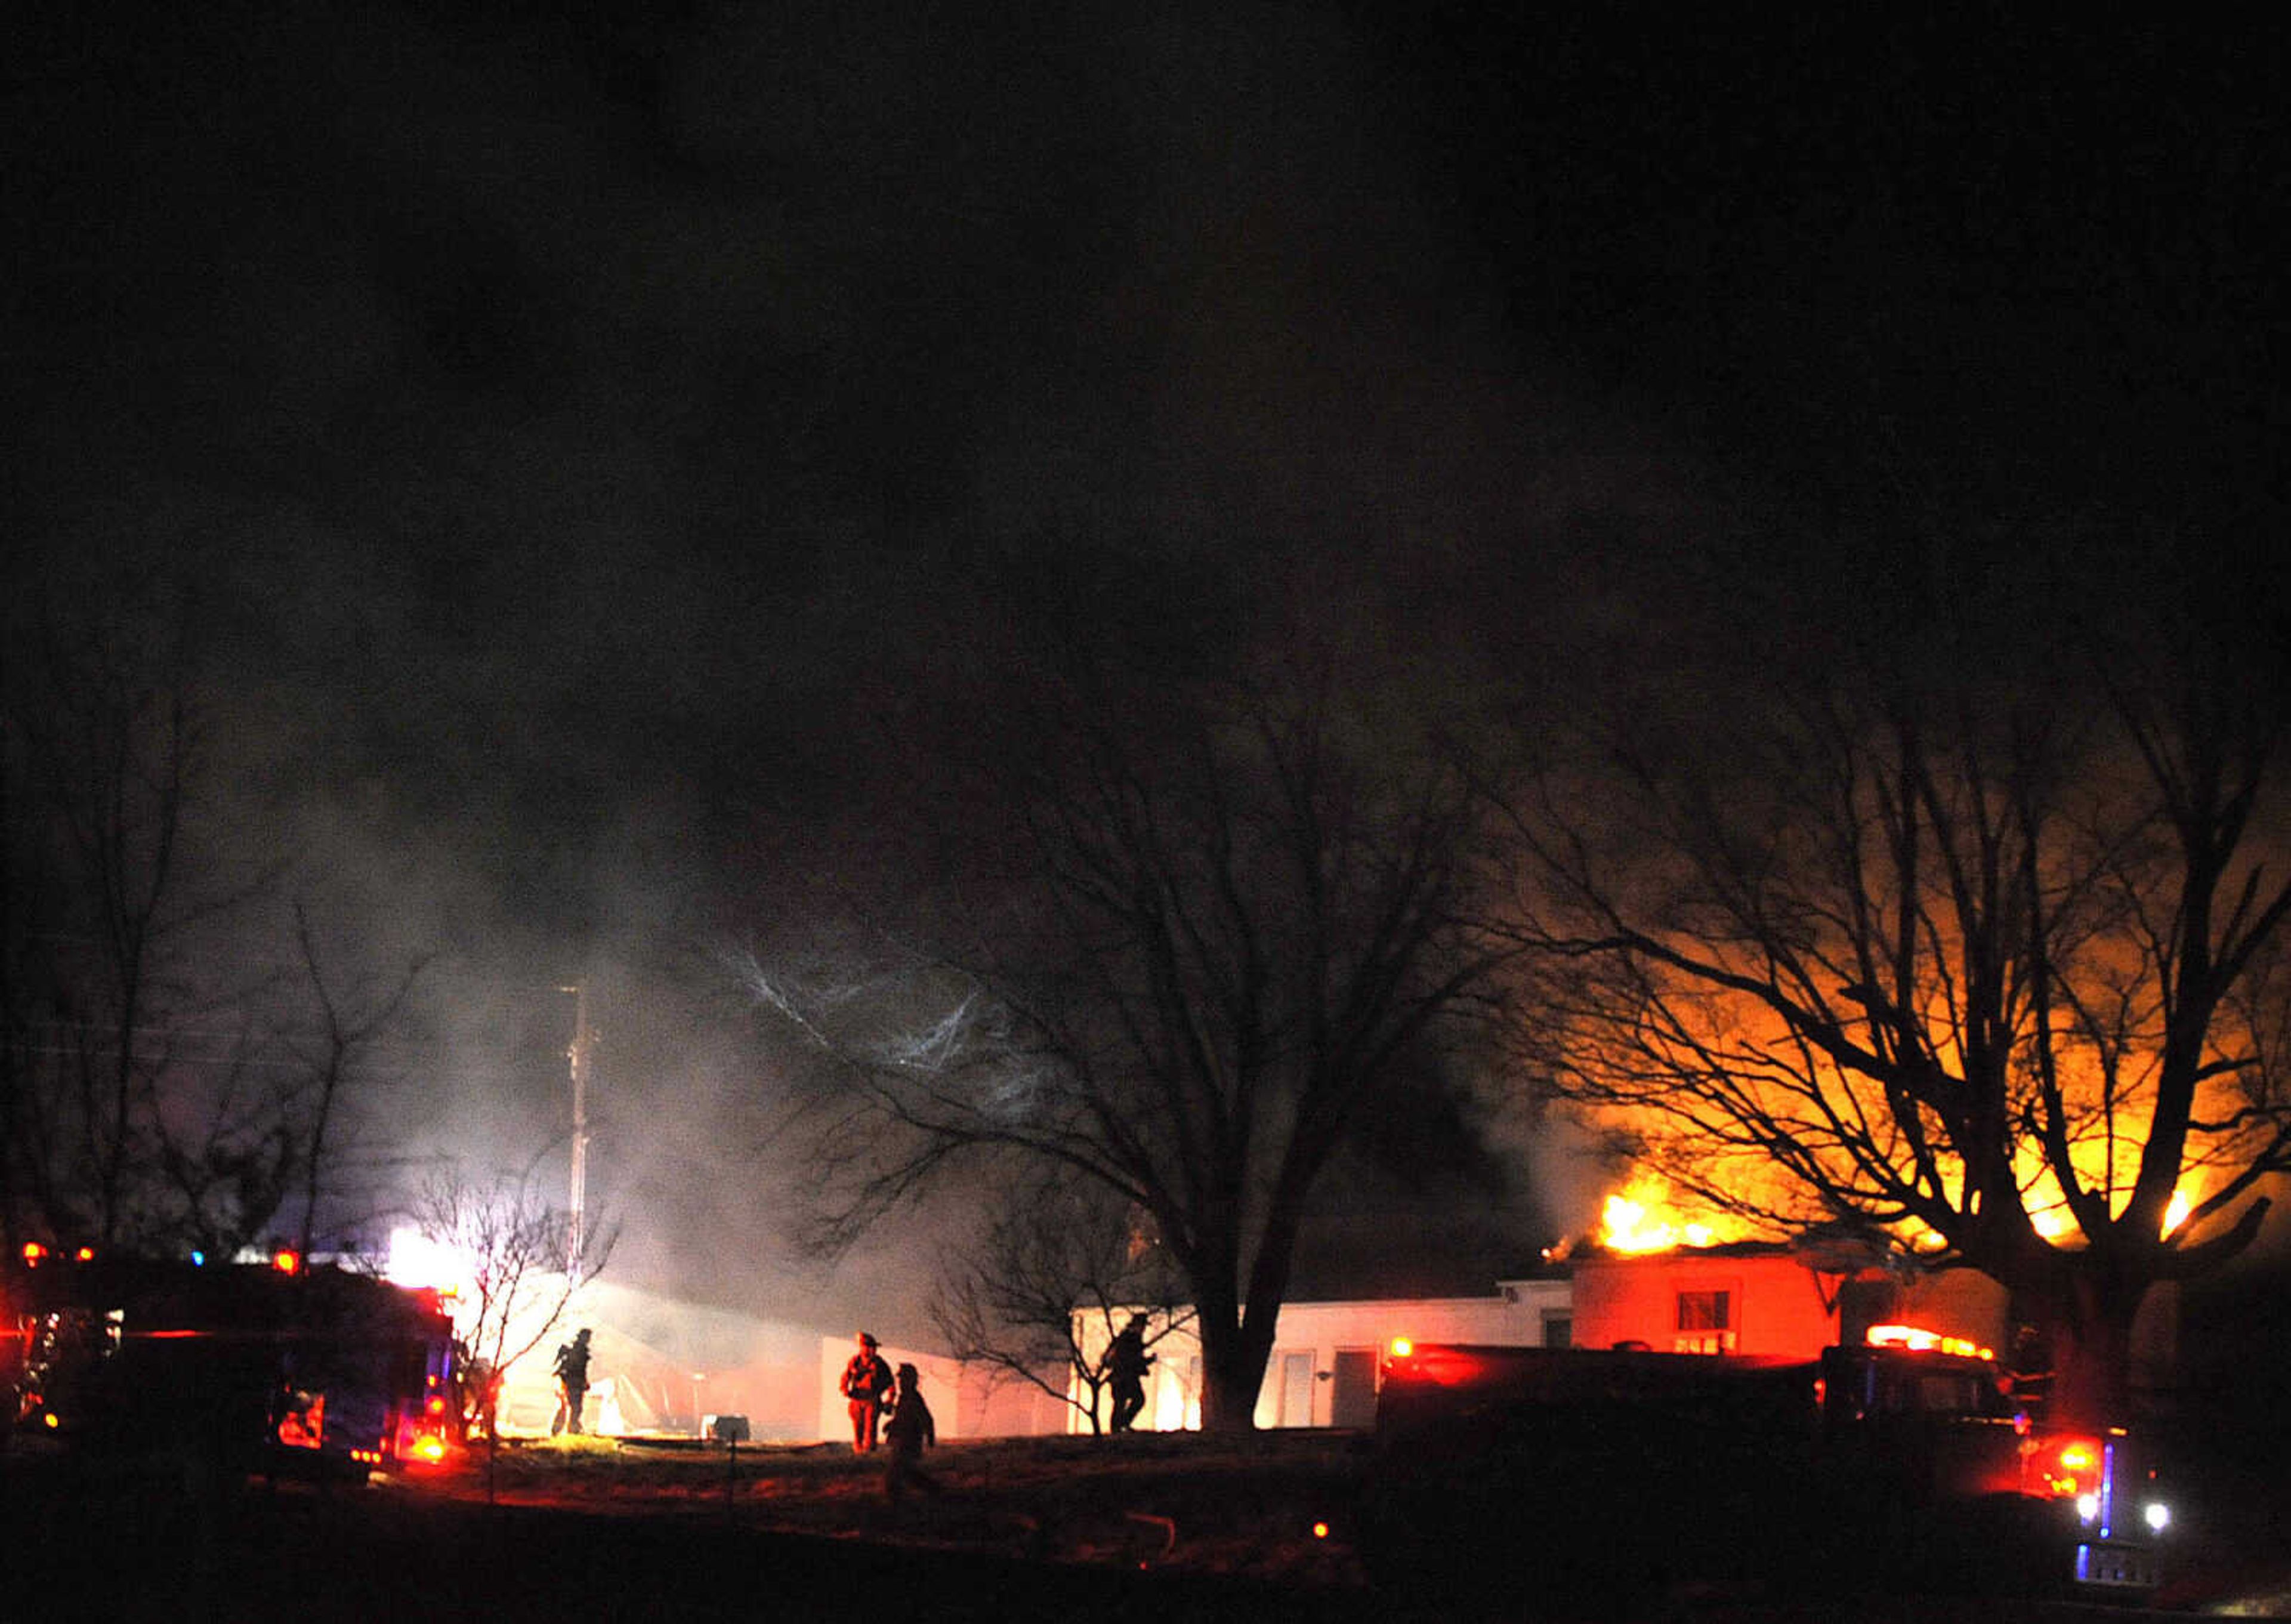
(969, 1040)
(938, 1046)
(800, 1005)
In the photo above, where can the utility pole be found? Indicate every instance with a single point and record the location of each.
(584, 1042)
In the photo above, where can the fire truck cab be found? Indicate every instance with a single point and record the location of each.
(1575, 1472)
(266, 1366)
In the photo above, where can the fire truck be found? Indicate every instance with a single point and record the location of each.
(1563, 1474)
(271, 1366)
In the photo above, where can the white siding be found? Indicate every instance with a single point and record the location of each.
(1299, 1388)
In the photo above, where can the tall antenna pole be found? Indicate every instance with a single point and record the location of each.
(583, 1041)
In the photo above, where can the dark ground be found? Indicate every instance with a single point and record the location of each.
(1167, 1530)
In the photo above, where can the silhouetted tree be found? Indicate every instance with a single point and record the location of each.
(332, 1074)
(1193, 945)
(133, 1046)
(512, 1247)
(1060, 1267)
(165, 1084)
(1977, 938)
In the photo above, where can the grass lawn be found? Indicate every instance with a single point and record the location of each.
(1174, 1501)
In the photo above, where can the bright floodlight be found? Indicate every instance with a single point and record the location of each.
(416, 1260)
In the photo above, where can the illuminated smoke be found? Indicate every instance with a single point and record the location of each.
(939, 1047)
(969, 1041)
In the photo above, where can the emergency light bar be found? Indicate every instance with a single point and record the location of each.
(1918, 1339)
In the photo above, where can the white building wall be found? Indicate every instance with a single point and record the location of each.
(1302, 1376)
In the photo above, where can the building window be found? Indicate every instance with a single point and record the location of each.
(1558, 1330)
(1705, 1323)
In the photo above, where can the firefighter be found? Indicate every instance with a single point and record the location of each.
(2029, 1375)
(909, 1432)
(481, 1385)
(1126, 1363)
(866, 1383)
(571, 1369)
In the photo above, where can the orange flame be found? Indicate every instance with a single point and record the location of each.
(1642, 1217)
(1645, 1216)
(2182, 1201)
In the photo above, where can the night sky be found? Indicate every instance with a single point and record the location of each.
(576, 427)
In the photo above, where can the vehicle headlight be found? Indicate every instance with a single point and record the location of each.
(2157, 1516)
(2087, 1508)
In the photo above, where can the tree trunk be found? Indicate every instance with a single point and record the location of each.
(1233, 1368)
(1230, 1381)
(2092, 1352)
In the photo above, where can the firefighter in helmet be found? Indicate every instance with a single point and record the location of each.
(572, 1371)
(866, 1383)
(1126, 1365)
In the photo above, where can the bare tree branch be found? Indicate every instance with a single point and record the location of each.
(1197, 960)
(1999, 969)
(1060, 1261)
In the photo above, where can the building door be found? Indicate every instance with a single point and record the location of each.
(1352, 1400)
(1286, 1398)
(1296, 1389)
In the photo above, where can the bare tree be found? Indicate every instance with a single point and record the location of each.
(1990, 956)
(350, 1019)
(515, 1247)
(133, 1045)
(1038, 1298)
(165, 1084)
(1213, 939)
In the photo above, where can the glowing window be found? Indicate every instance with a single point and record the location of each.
(1706, 1311)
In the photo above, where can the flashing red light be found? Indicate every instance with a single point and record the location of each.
(1919, 1339)
(2069, 1468)
(1320, 1531)
(430, 1448)
(1438, 1364)
(305, 1428)
(286, 1262)
(34, 1254)
(85, 1254)
(437, 1406)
